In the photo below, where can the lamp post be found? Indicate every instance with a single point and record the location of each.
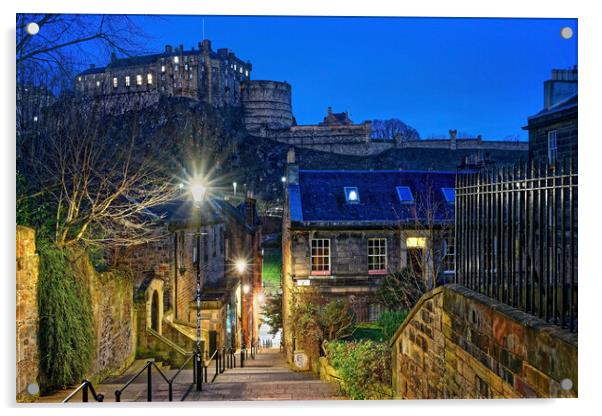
(198, 191)
(241, 267)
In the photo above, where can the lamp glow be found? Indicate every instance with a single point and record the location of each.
(246, 288)
(241, 265)
(198, 190)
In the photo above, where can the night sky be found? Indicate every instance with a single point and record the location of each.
(479, 76)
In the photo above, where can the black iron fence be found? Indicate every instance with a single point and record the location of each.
(516, 238)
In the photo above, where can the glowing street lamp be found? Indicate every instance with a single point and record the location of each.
(241, 266)
(246, 289)
(198, 190)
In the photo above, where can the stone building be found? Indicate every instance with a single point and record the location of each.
(204, 242)
(343, 231)
(553, 130)
(201, 74)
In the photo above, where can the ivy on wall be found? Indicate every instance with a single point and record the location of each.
(66, 334)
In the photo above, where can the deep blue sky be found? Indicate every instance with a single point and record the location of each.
(480, 76)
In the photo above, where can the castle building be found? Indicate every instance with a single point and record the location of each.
(553, 130)
(203, 74)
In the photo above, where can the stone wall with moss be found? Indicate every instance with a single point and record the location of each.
(27, 310)
(459, 344)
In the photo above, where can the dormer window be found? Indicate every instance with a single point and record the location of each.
(405, 195)
(352, 195)
(450, 195)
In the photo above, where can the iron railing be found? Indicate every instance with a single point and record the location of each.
(86, 387)
(516, 238)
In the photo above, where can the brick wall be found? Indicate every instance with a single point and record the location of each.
(460, 344)
(27, 310)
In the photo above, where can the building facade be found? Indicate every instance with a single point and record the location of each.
(208, 242)
(343, 231)
(201, 74)
(553, 131)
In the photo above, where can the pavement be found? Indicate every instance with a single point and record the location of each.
(267, 377)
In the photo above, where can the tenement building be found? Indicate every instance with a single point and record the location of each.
(205, 243)
(344, 231)
(553, 130)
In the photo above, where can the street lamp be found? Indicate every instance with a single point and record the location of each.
(198, 190)
(241, 267)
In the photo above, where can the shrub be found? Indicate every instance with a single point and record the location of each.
(364, 367)
(66, 335)
(389, 321)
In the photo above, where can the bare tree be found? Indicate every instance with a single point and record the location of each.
(393, 129)
(101, 173)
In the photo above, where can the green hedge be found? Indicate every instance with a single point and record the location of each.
(66, 334)
(364, 367)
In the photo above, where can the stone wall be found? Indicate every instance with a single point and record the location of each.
(459, 344)
(27, 310)
(267, 104)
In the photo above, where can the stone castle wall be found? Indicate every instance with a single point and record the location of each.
(27, 310)
(266, 104)
(459, 344)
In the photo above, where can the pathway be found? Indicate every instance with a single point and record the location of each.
(267, 377)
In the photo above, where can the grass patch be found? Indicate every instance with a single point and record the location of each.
(272, 267)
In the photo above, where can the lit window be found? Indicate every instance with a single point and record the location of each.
(405, 194)
(552, 146)
(115, 82)
(149, 78)
(176, 67)
(79, 78)
(138, 79)
(416, 242)
(162, 68)
(127, 81)
(186, 67)
(450, 194)
(35, 119)
(377, 255)
(235, 67)
(240, 69)
(98, 83)
(190, 76)
(176, 60)
(352, 194)
(247, 73)
(320, 256)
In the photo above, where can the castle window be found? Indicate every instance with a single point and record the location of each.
(79, 79)
(240, 70)
(98, 83)
(149, 78)
(186, 67)
(176, 60)
(35, 119)
(177, 68)
(320, 256)
(162, 68)
(450, 195)
(190, 76)
(127, 81)
(138, 79)
(405, 194)
(247, 73)
(377, 255)
(235, 67)
(115, 82)
(552, 146)
(352, 195)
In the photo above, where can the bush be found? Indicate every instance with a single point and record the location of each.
(389, 321)
(66, 335)
(364, 367)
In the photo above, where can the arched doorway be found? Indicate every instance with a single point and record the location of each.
(155, 311)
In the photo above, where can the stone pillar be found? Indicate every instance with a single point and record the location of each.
(27, 311)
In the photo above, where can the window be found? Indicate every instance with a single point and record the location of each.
(177, 68)
(320, 256)
(127, 81)
(416, 242)
(405, 194)
(450, 194)
(448, 256)
(138, 79)
(377, 255)
(79, 78)
(186, 67)
(552, 146)
(97, 83)
(35, 119)
(240, 69)
(176, 60)
(162, 68)
(235, 67)
(246, 73)
(115, 82)
(352, 194)
(149, 78)
(374, 311)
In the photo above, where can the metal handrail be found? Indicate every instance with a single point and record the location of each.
(86, 385)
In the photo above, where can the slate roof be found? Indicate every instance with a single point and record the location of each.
(319, 198)
(568, 103)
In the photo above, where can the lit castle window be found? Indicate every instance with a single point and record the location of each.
(115, 82)
(176, 60)
(149, 78)
(162, 68)
(352, 195)
(138, 79)
(127, 81)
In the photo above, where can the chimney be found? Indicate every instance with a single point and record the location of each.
(206, 46)
(329, 111)
(250, 208)
(292, 169)
(167, 48)
(562, 85)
